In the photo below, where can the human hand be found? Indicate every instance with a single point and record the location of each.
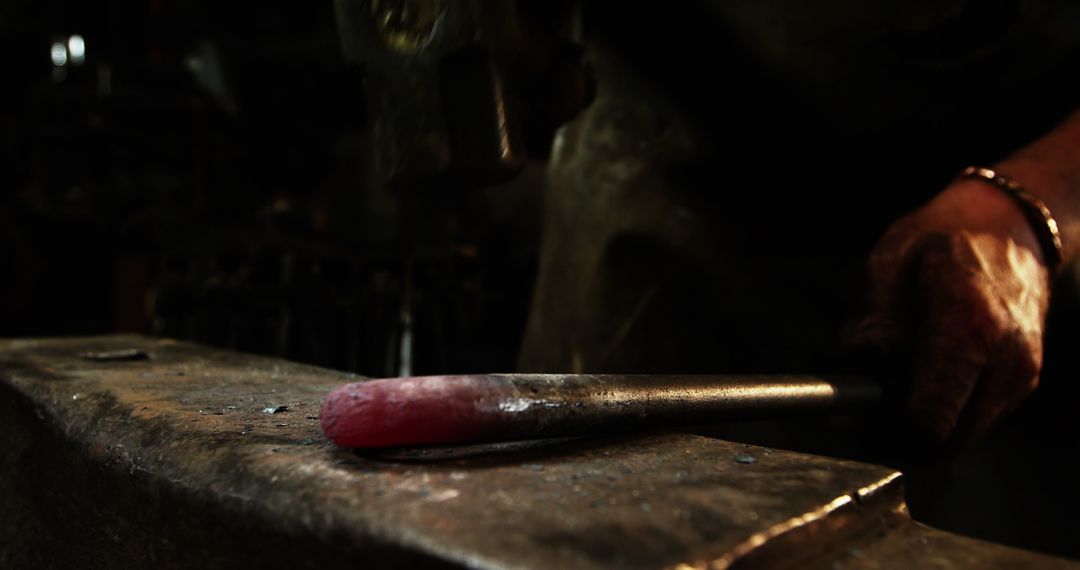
(960, 288)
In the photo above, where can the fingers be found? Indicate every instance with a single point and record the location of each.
(945, 371)
(974, 361)
(890, 272)
(958, 331)
(1009, 378)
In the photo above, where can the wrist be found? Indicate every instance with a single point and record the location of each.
(1049, 169)
(977, 206)
(1055, 187)
(1033, 208)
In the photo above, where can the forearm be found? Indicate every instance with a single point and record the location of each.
(1050, 169)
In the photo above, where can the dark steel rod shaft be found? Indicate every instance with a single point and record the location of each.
(559, 404)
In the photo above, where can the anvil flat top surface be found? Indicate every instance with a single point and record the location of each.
(242, 433)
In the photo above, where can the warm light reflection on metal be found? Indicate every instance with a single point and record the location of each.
(557, 405)
(758, 539)
(77, 49)
(503, 122)
(868, 491)
(406, 25)
(59, 54)
(801, 522)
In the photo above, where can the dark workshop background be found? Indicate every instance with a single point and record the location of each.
(197, 170)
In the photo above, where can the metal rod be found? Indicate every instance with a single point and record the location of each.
(454, 409)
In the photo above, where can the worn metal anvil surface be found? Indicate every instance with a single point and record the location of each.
(128, 452)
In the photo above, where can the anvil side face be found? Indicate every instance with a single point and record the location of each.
(136, 452)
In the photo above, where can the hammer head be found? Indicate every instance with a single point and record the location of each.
(453, 86)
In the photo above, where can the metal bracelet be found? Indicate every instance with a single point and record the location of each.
(1035, 210)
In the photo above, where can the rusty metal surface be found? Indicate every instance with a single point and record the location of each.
(195, 456)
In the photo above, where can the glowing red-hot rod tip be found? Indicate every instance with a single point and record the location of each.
(414, 411)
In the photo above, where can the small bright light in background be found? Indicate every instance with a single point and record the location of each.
(77, 48)
(59, 54)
